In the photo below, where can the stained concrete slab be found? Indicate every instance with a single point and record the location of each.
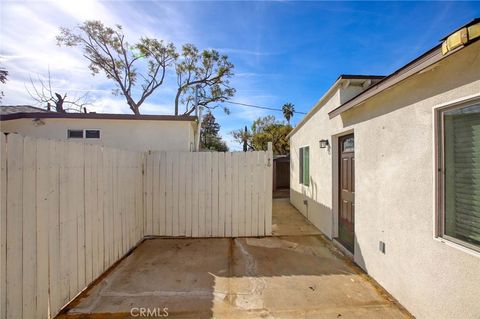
(287, 220)
(273, 277)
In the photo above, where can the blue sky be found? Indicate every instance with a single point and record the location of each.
(283, 51)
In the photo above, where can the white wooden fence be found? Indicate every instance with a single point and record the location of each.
(208, 194)
(68, 211)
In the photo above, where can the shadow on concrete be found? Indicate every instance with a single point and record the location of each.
(295, 276)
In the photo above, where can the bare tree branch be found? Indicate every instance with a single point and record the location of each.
(47, 95)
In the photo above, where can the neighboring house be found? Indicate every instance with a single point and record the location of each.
(133, 132)
(389, 168)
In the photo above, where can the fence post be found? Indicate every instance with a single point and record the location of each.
(269, 194)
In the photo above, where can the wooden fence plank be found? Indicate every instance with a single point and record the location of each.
(208, 194)
(195, 195)
(176, 175)
(97, 211)
(43, 160)
(236, 194)
(214, 189)
(228, 194)
(3, 226)
(14, 226)
(64, 215)
(161, 195)
(169, 194)
(29, 227)
(255, 190)
(221, 195)
(268, 190)
(188, 194)
(155, 193)
(182, 182)
(149, 195)
(248, 194)
(241, 193)
(89, 211)
(261, 194)
(54, 228)
(80, 211)
(202, 195)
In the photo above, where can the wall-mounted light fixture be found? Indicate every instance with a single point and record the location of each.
(38, 122)
(323, 143)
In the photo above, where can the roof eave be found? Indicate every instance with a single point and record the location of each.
(96, 116)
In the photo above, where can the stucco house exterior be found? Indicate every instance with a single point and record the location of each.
(389, 169)
(124, 131)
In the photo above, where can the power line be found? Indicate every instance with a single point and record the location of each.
(261, 107)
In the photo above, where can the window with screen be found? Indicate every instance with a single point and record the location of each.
(92, 133)
(459, 169)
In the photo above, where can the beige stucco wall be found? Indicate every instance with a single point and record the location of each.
(140, 135)
(395, 193)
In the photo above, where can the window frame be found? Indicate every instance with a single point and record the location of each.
(439, 133)
(92, 129)
(302, 180)
(74, 137)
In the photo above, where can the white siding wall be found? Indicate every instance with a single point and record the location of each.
(136, 135)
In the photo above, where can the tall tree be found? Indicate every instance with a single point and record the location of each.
(203, 79)
(288, 110)
(209, 138)
(263, 130)
(107, 50)
(3, 79)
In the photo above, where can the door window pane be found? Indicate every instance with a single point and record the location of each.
(348, 144)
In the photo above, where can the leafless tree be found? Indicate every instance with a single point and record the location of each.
(43, 93)
(3, 79)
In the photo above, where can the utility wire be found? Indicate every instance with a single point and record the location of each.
(261, 107)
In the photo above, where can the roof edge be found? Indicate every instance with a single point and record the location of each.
(317, 105)
(96, 116)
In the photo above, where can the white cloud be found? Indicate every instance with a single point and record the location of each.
(29, 50)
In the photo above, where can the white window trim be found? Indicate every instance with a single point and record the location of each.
(437, 192)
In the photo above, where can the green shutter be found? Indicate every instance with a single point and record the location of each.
(306, 166)
(462, 176)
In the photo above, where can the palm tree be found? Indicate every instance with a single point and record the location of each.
(288, 110)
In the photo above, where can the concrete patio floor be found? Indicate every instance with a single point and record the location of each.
(289, 276)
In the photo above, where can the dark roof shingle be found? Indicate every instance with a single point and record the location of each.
(12, 109)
